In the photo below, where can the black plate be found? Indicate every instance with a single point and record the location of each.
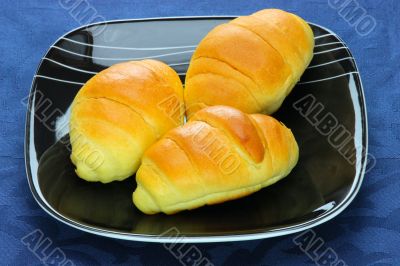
(323, 183)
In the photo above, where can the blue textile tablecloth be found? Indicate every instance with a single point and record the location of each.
(366, 233)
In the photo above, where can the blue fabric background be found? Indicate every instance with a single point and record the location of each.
(368, 232)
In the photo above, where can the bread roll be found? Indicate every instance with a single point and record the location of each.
(119, 113)
(250, 63)
(221, 154)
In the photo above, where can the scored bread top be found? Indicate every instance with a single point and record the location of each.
(220, 154)
(119, 113)
(250, 63)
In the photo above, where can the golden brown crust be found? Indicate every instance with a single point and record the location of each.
(216, 157)
(271, 34)
(239, 127)
(250, 63)
(119, 113)
(140, 88)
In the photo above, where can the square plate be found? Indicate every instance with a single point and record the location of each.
(326, 179)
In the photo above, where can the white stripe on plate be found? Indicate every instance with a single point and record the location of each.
(331, 62)
(329, 43)
(94, 73)
(122, 59)
(179, 64)
(318, 80)
(60, 80)
(70, 67)
(326, 51)
(131, 48)
(322, 36)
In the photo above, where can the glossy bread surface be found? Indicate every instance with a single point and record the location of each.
(119, 113)
(220, 154)
(250, 63)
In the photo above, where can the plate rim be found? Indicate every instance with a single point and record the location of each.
(336, 210)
